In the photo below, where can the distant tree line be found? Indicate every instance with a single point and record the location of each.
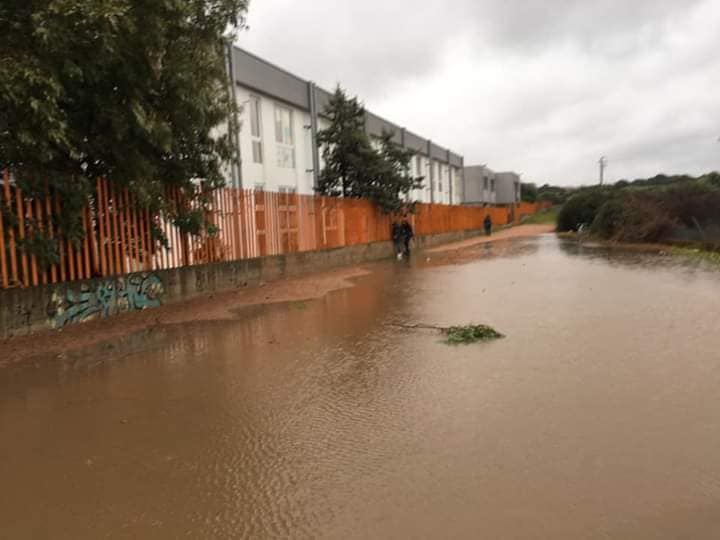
(556, 195)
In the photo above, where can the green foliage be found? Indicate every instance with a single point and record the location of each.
(471, 333)
(581, 208)
(544, 217)
(712, 179)
(355, 167)
(529, 192)
(700, 255)
(609, 218)
(555, 194)
(645, 218)
(652, 210)
(128, 90)
(694, 202)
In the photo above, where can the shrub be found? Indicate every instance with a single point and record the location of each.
(609, 219)
(645, 219)
(690, 202)
(581, 208)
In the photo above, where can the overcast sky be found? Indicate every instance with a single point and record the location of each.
(542, 87)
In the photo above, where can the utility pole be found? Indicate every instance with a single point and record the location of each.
(603, 165)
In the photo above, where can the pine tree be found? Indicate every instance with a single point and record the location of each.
(354, 168)
(394, 184)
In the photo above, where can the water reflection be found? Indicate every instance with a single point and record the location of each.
(595, 418)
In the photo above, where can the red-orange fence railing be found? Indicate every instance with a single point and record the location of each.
(121, 237)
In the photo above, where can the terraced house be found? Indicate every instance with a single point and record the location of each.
(281, 115)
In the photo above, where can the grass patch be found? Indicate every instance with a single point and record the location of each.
(470, 333)
(546, 217)
(703, 255)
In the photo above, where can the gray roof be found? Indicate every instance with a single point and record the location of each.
(264, 77)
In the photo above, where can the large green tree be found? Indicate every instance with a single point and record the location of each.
(357, 166)
(130, 90)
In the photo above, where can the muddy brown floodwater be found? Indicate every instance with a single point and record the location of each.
(597, 417)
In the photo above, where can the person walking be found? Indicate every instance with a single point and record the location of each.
(408, 234)
(398, 239)
(488, 225)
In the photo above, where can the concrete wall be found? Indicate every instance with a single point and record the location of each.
(24, 311)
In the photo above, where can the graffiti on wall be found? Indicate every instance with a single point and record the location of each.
(105, 298)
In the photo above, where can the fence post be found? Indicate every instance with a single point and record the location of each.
(3, 261)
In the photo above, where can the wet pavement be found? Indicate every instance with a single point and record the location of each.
(597, 416)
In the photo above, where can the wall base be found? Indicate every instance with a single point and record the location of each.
(24, 311)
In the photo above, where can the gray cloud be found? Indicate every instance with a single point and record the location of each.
(540, 87)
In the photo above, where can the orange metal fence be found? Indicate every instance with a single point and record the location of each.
(120, 237)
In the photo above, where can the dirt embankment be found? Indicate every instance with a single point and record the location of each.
(218, 306)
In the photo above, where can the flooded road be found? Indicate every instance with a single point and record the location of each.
(597, 417)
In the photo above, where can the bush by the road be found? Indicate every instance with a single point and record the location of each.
(609, 218)
(581, 209)
(645, 210)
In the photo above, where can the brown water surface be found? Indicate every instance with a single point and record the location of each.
(597, 416)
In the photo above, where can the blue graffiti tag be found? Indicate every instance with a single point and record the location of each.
(108, 297)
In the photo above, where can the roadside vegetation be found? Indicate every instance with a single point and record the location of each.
(663, 209)
(699, 255)
(544, 217)
(557, 195)
(133, 92)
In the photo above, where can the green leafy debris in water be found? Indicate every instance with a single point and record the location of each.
(470, 333)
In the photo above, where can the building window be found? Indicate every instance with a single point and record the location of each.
(440, 178)
(256, 130)
(492, 185)
(284, 137)
(486, 183)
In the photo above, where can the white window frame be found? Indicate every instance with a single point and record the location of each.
(256, 134)
(284, 141)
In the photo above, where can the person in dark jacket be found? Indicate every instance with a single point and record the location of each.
(408, 234)
(488, 225)
(397, 238)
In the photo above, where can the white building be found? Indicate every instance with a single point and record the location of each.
(281, 114)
